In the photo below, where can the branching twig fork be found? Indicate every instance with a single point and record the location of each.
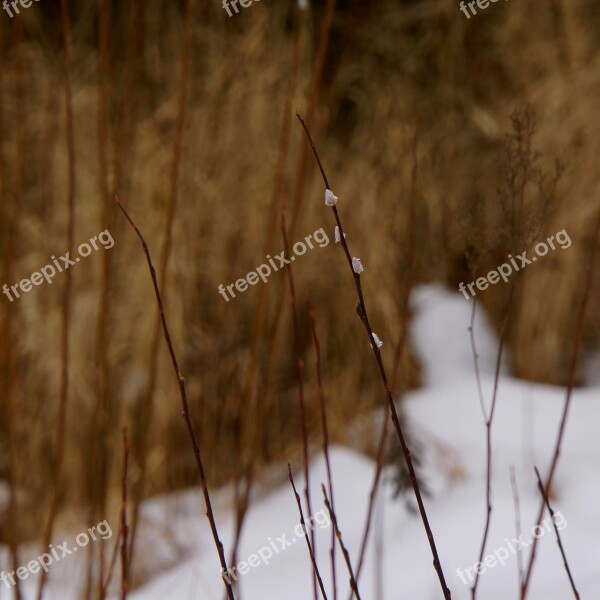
(489, 418)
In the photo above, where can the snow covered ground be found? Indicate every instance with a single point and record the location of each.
(447, 416)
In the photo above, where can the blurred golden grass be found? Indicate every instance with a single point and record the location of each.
(402, 66)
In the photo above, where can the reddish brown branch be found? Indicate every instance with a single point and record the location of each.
(558, 540)
(325, 437)
(300, 378)
(185, 406)
(338, 533)
(105, 581)
(362, 311)
(9, 235)
(249, 432)
(315, 90)
(124, 528)
(104, 410)
(66, 298)
(515, 491)
(303, 522)
(488, 426)
(165, 253)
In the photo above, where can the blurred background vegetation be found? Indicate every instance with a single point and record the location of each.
(410, 104)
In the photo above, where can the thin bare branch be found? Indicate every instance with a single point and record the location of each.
(66, 297)
(338, 533)
(250, 434)
(303, 522)
(558, 540)
(315, 90)
(147, 408)
(488, 424)
(124, 528)
(362, 312)
(105, 581)
(185, 406)
(515, 491)
(325, 429)
(300, 379)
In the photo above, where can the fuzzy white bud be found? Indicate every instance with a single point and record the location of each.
(336, 235)
(330, 198)
(377, 340)
(357, 265)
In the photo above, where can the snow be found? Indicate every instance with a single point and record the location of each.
(446, 416)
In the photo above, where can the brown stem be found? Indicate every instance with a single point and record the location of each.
(315, 89)
(488, 425)
(303, 522)
(300, 379)
(124, 528)
(105, 581)
(185, 406)
(361, 308)
(148, 397)
(66, 299)
(103, 413)
(10, 234)
(250, 433)
(338, 533)
(558, 540)
(325, 430)
(515, 491)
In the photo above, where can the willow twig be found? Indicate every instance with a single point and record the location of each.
(558, 540)
(124, 528)
(325, 429)
(303, 522)
(362, 312)
(515, 491)
(338, 533)
(300, 378)
(488, 424)
(185, 407)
